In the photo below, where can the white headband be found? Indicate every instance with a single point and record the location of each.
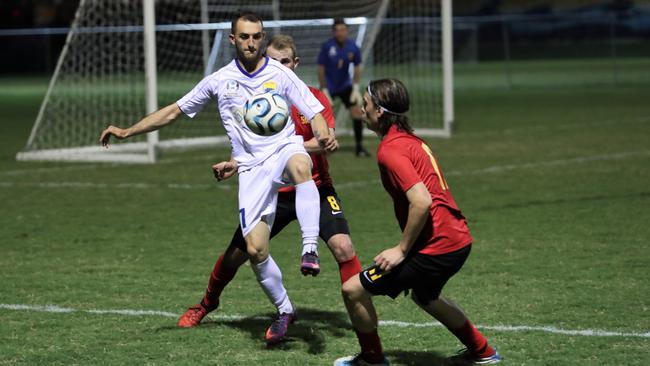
(383, 108)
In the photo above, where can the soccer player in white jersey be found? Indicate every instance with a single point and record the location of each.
(333, 230)
(264, 163)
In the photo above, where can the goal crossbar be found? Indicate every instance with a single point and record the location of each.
(368, 31)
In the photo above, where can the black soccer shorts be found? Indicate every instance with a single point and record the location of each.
(332, 218)
(425, 274)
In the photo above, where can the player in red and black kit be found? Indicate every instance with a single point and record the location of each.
(333, 228)
(435, 239)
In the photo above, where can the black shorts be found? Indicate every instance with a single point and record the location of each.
(344, 95)
(425, 274)
(332, 218)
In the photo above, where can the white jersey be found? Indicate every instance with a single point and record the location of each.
(232, 86)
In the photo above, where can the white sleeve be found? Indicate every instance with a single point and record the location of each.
(299, 95)
(194, 101)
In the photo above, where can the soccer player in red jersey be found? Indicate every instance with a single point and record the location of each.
(435, 239)
(333, 229)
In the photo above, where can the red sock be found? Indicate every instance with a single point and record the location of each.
(219, 278)
(370, 346)
(475, 342)
(349, 268)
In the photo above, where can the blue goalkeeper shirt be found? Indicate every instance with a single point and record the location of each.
(336, 61)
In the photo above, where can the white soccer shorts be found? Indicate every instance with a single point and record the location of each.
(258, 187)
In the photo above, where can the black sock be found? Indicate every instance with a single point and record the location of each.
(357, 125)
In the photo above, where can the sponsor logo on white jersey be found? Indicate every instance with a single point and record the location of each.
(238, 114)
(232, 89)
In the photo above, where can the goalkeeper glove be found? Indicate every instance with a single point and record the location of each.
(355, 97)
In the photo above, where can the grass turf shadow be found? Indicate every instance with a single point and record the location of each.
(313, 327)
(423, 358)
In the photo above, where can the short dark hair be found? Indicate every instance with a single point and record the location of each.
(392, 96)
(338, 21)
(282, 42)
(245, 15)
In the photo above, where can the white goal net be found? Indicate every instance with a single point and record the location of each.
(101, 75)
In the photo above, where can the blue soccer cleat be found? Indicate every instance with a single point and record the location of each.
(310, 264)
(278, 329)
(358, 361)
(467, 356)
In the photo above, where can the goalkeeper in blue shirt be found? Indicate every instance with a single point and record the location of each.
(334, 60)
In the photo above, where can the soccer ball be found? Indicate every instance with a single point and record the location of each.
(266, 114)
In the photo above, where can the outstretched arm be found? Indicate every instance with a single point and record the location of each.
(152, 122)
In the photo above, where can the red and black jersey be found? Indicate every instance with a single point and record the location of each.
(405, 160)
(320, 166)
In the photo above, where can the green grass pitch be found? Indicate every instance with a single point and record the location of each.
(555, 182)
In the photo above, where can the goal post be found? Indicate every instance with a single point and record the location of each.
(447, 68)
(123, 59)
(149, 19)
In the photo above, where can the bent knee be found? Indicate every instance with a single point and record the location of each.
(299, 168)
(341, 247)
(302, 172)
(352, 288)
(256, 255)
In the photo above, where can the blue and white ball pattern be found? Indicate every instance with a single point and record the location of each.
(266, 114)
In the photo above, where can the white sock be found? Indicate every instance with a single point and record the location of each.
(308, 213)
(270, 278)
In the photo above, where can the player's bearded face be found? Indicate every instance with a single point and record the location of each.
(369, 113)
(248, 40)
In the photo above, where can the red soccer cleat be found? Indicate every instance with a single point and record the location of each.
(193, 316)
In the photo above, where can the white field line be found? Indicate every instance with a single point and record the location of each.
(363, 183)
(210, 157)
(47, 170)
(527, 328)
(62, 168)
(387, 323)
(133, 185)
(558, 162)
(509, 167)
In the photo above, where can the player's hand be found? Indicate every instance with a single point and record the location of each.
(336, 145)
(390, 258)
(328, 143)
(355, 96)
(224, 170)
(119, 133)
(328, 95)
